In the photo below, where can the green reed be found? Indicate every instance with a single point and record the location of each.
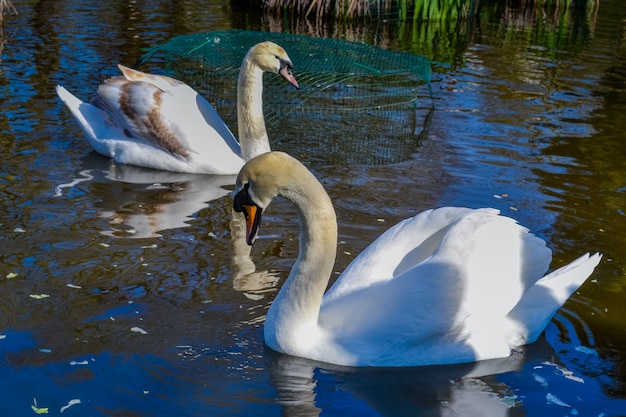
(417, 10)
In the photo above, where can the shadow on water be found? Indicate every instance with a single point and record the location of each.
(434, 391)
(472, 389)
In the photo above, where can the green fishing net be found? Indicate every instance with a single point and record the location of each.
(357, 104)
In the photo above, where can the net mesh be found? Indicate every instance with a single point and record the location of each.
(356, 104)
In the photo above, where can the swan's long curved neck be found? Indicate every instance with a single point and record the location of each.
(250, 121)
(298, 304)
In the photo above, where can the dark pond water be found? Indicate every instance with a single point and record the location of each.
(145, 313)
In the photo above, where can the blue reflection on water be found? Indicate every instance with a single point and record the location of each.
(237, 376)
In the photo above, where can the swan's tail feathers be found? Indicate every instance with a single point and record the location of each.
(96, 123)
(539, 304)
(77, 107)
(69, 99)
(162, 82)
(131, 74)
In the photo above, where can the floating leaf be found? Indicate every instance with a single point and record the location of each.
(69, 404)
(37, 410)
(254, 297)
(138, 330)
(39, 296)
(553, 399)
(11, 275)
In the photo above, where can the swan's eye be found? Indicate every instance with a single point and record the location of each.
(283, 63)
(242, 199)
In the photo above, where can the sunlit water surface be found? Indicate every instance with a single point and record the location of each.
(117, 287)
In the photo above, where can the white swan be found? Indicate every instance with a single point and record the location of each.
(449, 285)
(158, 122)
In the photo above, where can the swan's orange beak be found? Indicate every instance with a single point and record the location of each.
(253, 220)
(242, 203)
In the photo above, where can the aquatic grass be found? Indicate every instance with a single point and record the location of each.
(436, 9)
(6, 7)
(438, 29)
(414, 9)
(558, 26)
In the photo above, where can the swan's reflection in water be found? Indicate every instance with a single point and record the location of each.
(245, 276)
(465, 389)
(142, 203)
(158, 201)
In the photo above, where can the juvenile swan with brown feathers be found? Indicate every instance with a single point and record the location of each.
(449, 285)
(158, 122)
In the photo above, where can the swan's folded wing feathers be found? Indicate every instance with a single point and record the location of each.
(402, 313)
(214, 120)
(497, 258)
(115, 97)
(145, 112)
(450, 303)
(180, 96)
(404, 245)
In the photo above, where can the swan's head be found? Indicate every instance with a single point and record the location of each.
(272, 58)
(267, 176)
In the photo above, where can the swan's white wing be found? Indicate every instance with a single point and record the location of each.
(166, 113)
(394, 318)
(213, 119)
(493, 252)
(176, 88)
(444, 296)
(404, 245)
(147, 112)
(409, 322)
(498, 259)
